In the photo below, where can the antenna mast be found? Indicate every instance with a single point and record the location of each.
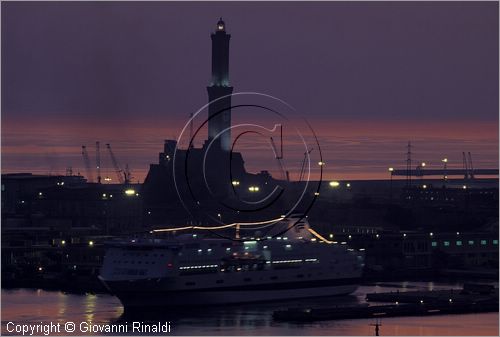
(408, 165)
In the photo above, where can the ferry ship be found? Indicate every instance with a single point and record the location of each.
(293, 261)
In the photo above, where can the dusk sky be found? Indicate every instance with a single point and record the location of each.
(368, 77)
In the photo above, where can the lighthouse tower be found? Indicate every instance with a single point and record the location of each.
(219, 112)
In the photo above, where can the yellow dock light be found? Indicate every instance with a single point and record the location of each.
(129, 192)
(321, 163)
(334, 184)
(254, 188)
(235, 183)
(91, 243)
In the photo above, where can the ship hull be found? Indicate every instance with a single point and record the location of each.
(133, 298)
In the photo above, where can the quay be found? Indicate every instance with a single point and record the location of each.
(471, 299)
(380, 311)
(470, 293)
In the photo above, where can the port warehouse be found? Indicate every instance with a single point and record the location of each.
(53, 225)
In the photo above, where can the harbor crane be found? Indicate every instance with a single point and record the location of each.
(86, 161)
(279, 158)
(467, 163)
(302, 169)
(471, 168)
(122, 175)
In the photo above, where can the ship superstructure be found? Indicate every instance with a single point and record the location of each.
(193, 269)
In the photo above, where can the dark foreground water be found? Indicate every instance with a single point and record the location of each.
(23, 306)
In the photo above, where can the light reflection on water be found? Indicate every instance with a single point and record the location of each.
(34, 306)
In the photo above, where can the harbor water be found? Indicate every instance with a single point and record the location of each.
(31, 306)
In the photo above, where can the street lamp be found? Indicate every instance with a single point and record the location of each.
(420, 169)
(391, 170)
(445, 177)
